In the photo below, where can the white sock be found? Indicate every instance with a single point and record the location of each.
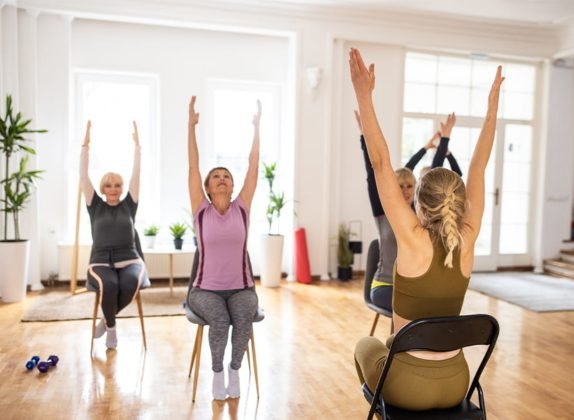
(111, 338)
(218, 387)
(233, 386)
(100, 328)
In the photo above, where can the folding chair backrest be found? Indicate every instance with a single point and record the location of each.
(371, 268)
(446, 334)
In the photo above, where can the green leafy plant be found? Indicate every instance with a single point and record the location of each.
(17, 185)
(151, 230)
(276, 200)
(344, 253)
(178, 230)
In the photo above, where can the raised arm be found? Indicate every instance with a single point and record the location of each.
(196, 194)
(444, 134)
(250, 183)
(376, 206)
(134, 189)
(477, 167)
(85, 183)
(415, 159)
(401, 217)
(453, 163)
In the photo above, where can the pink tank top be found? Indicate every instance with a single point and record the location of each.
(222, 243)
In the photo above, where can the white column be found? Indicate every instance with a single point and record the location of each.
(53, 109)
(28, 65)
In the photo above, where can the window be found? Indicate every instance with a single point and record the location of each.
(436, 85)
(229, 139)
(112, 101)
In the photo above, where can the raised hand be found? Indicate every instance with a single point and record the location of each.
(363, 78)
(257, 116)
(432, 143)
(446, 128)
(193, 118)
(135, 134)
(358, 118)
(87, 135)
(494, 94)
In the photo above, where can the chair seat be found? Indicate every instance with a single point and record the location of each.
(196, 319)
(379, 310)
(466, 410)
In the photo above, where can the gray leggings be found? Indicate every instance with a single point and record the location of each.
(117, 286)
(223, 308)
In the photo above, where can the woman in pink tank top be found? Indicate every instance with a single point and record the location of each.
(223, 292)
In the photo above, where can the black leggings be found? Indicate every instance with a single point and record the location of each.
(117, 286)
(382, 296)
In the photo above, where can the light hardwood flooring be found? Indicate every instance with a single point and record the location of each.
(304, 353)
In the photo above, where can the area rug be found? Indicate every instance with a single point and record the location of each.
(535, 292)
(59, 305)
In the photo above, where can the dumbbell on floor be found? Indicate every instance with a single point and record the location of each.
(44, 366)
(31, 364)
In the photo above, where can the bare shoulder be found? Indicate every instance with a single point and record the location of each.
(415, 257)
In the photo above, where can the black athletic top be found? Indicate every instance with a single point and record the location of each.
(113, 231)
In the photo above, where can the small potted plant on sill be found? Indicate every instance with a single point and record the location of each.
(177, 232)
(150, 233)
(344, 254)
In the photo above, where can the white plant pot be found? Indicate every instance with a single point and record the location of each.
(271, 258)
(149, 241)
(14, 258)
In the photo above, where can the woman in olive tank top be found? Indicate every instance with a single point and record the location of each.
(435, 254)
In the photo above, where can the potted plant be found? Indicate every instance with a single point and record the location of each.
(150, 233)
(17, 189)
(178, 231)
(272, 243)
(344, 254)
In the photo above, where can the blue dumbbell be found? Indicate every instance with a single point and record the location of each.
(44, 366)
(31, 364)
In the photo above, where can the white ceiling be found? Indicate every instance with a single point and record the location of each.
(520, 11)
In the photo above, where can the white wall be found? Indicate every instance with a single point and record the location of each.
(326, 190)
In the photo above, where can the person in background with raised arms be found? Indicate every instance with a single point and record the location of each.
(116, 268)
(435, 255)
(382, 282)
(223, 292)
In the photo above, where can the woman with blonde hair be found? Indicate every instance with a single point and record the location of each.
(435, 255)
(116, 267)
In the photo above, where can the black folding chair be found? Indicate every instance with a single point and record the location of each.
(371, 268)
(439, 334)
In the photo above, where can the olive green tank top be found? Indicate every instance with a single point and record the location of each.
(438, 292)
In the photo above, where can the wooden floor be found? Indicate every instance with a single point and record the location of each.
(305, 356)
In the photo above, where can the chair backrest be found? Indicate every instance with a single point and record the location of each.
(371, 268)
(445, 334)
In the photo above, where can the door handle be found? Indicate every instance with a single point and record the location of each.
(496, 195)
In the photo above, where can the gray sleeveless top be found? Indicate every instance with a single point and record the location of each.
(387, 252)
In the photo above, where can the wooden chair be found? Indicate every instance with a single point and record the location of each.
(144, 285)
(438, 334)
(200, 322)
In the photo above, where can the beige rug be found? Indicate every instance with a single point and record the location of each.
(59, 305)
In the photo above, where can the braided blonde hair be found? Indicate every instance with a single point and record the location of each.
(441, 198)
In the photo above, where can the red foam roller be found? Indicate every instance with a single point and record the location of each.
(302, 268)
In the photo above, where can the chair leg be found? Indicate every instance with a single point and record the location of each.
(255, 363)
(248, 359)
(140, 311)
(374, 324)
(196, 376)
(94, 321)
(194, 352)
